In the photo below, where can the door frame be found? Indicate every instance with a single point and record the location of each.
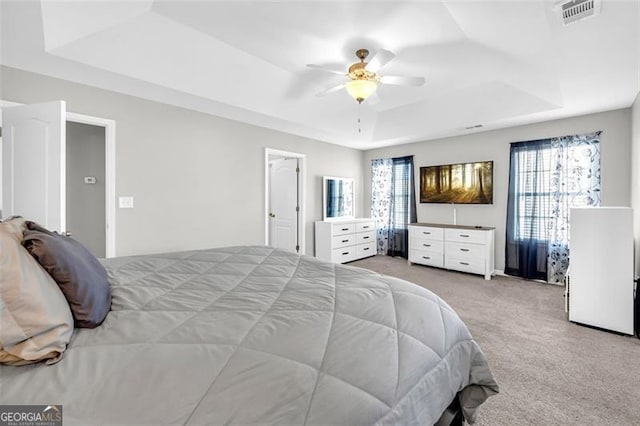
(302, 193)
(109, 169)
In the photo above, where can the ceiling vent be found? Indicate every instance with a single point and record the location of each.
(576, 10)
(475, 126)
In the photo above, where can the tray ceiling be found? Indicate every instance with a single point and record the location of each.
(495, 64)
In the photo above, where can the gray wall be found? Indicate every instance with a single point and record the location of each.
(86, 202)
(494, 145)
(635, 177)
(197, 180)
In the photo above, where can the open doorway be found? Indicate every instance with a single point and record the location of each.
(285, 181)
(85, 186)
(101, 133)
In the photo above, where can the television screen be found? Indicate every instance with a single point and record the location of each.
(466, 183)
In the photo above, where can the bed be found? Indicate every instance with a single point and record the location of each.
(256, 335)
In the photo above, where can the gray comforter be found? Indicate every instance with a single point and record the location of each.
(254, 335)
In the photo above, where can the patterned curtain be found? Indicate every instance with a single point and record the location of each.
(547, 177)
(393, 204)
(575, 182)
(381, 171)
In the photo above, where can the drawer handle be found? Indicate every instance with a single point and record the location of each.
(345, 253)
(426, 257)
(464, 235)
(365, 238)
(345, 241)
(464, 263)
(426, 233)
(462, 249)
(345, 229)
(427, 245)
(365, 227)
(366, 248)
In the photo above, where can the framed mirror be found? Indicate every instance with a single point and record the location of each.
(338, 198)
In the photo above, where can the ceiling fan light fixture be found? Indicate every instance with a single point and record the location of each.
(361, 89)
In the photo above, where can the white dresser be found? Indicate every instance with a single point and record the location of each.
(461, 248)
(341, 241)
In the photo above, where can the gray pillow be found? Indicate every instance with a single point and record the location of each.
(82, 279)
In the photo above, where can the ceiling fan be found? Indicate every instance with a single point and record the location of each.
(363, 78)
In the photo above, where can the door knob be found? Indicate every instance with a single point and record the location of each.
(66, 234)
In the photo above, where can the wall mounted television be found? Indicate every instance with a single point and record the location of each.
(464, 183)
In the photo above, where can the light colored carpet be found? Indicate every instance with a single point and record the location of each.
(550, 371)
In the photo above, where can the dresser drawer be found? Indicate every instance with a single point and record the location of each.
(426, 232)
(364, 250)
(365, 226)
(344, 254)
(465, 251)
(425, 257)
(366, 237)
(428, 245)
(466, 236)
(342, 228)
(475, 266)
(343, 240)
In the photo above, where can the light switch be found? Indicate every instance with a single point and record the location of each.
(125, 202)
(91, 180)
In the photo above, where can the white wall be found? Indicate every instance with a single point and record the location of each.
(198, 180)
(494, 145)
(635, 177)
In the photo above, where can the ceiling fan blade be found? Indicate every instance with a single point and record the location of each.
(379, 59)
(333, 70)
(330, 90)
(402, 81)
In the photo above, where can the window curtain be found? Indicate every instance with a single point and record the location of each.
(381, 172)
(335, 201)
(546, 178)
(393, 203)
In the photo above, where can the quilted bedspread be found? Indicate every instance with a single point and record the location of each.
(256, 335)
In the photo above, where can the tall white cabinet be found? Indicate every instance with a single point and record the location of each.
(601, 272)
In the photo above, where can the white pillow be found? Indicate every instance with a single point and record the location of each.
(35, 320)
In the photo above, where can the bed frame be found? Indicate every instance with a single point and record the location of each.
(452, 416)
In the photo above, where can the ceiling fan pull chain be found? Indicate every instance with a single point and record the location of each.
(359, 125)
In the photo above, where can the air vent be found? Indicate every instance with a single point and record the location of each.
(475, 126)
(576, 10)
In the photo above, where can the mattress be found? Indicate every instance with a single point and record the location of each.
(256, 335)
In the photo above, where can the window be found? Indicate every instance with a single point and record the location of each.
(393, 203)
(401, 195)
(547, 178)
(537, 189)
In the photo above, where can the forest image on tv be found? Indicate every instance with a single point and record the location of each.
(469, 183)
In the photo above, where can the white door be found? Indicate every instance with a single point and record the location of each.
(33, 163)
(284, 207)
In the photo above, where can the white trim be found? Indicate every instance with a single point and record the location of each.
(302, 194)
(63, 171)
(109, 171)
